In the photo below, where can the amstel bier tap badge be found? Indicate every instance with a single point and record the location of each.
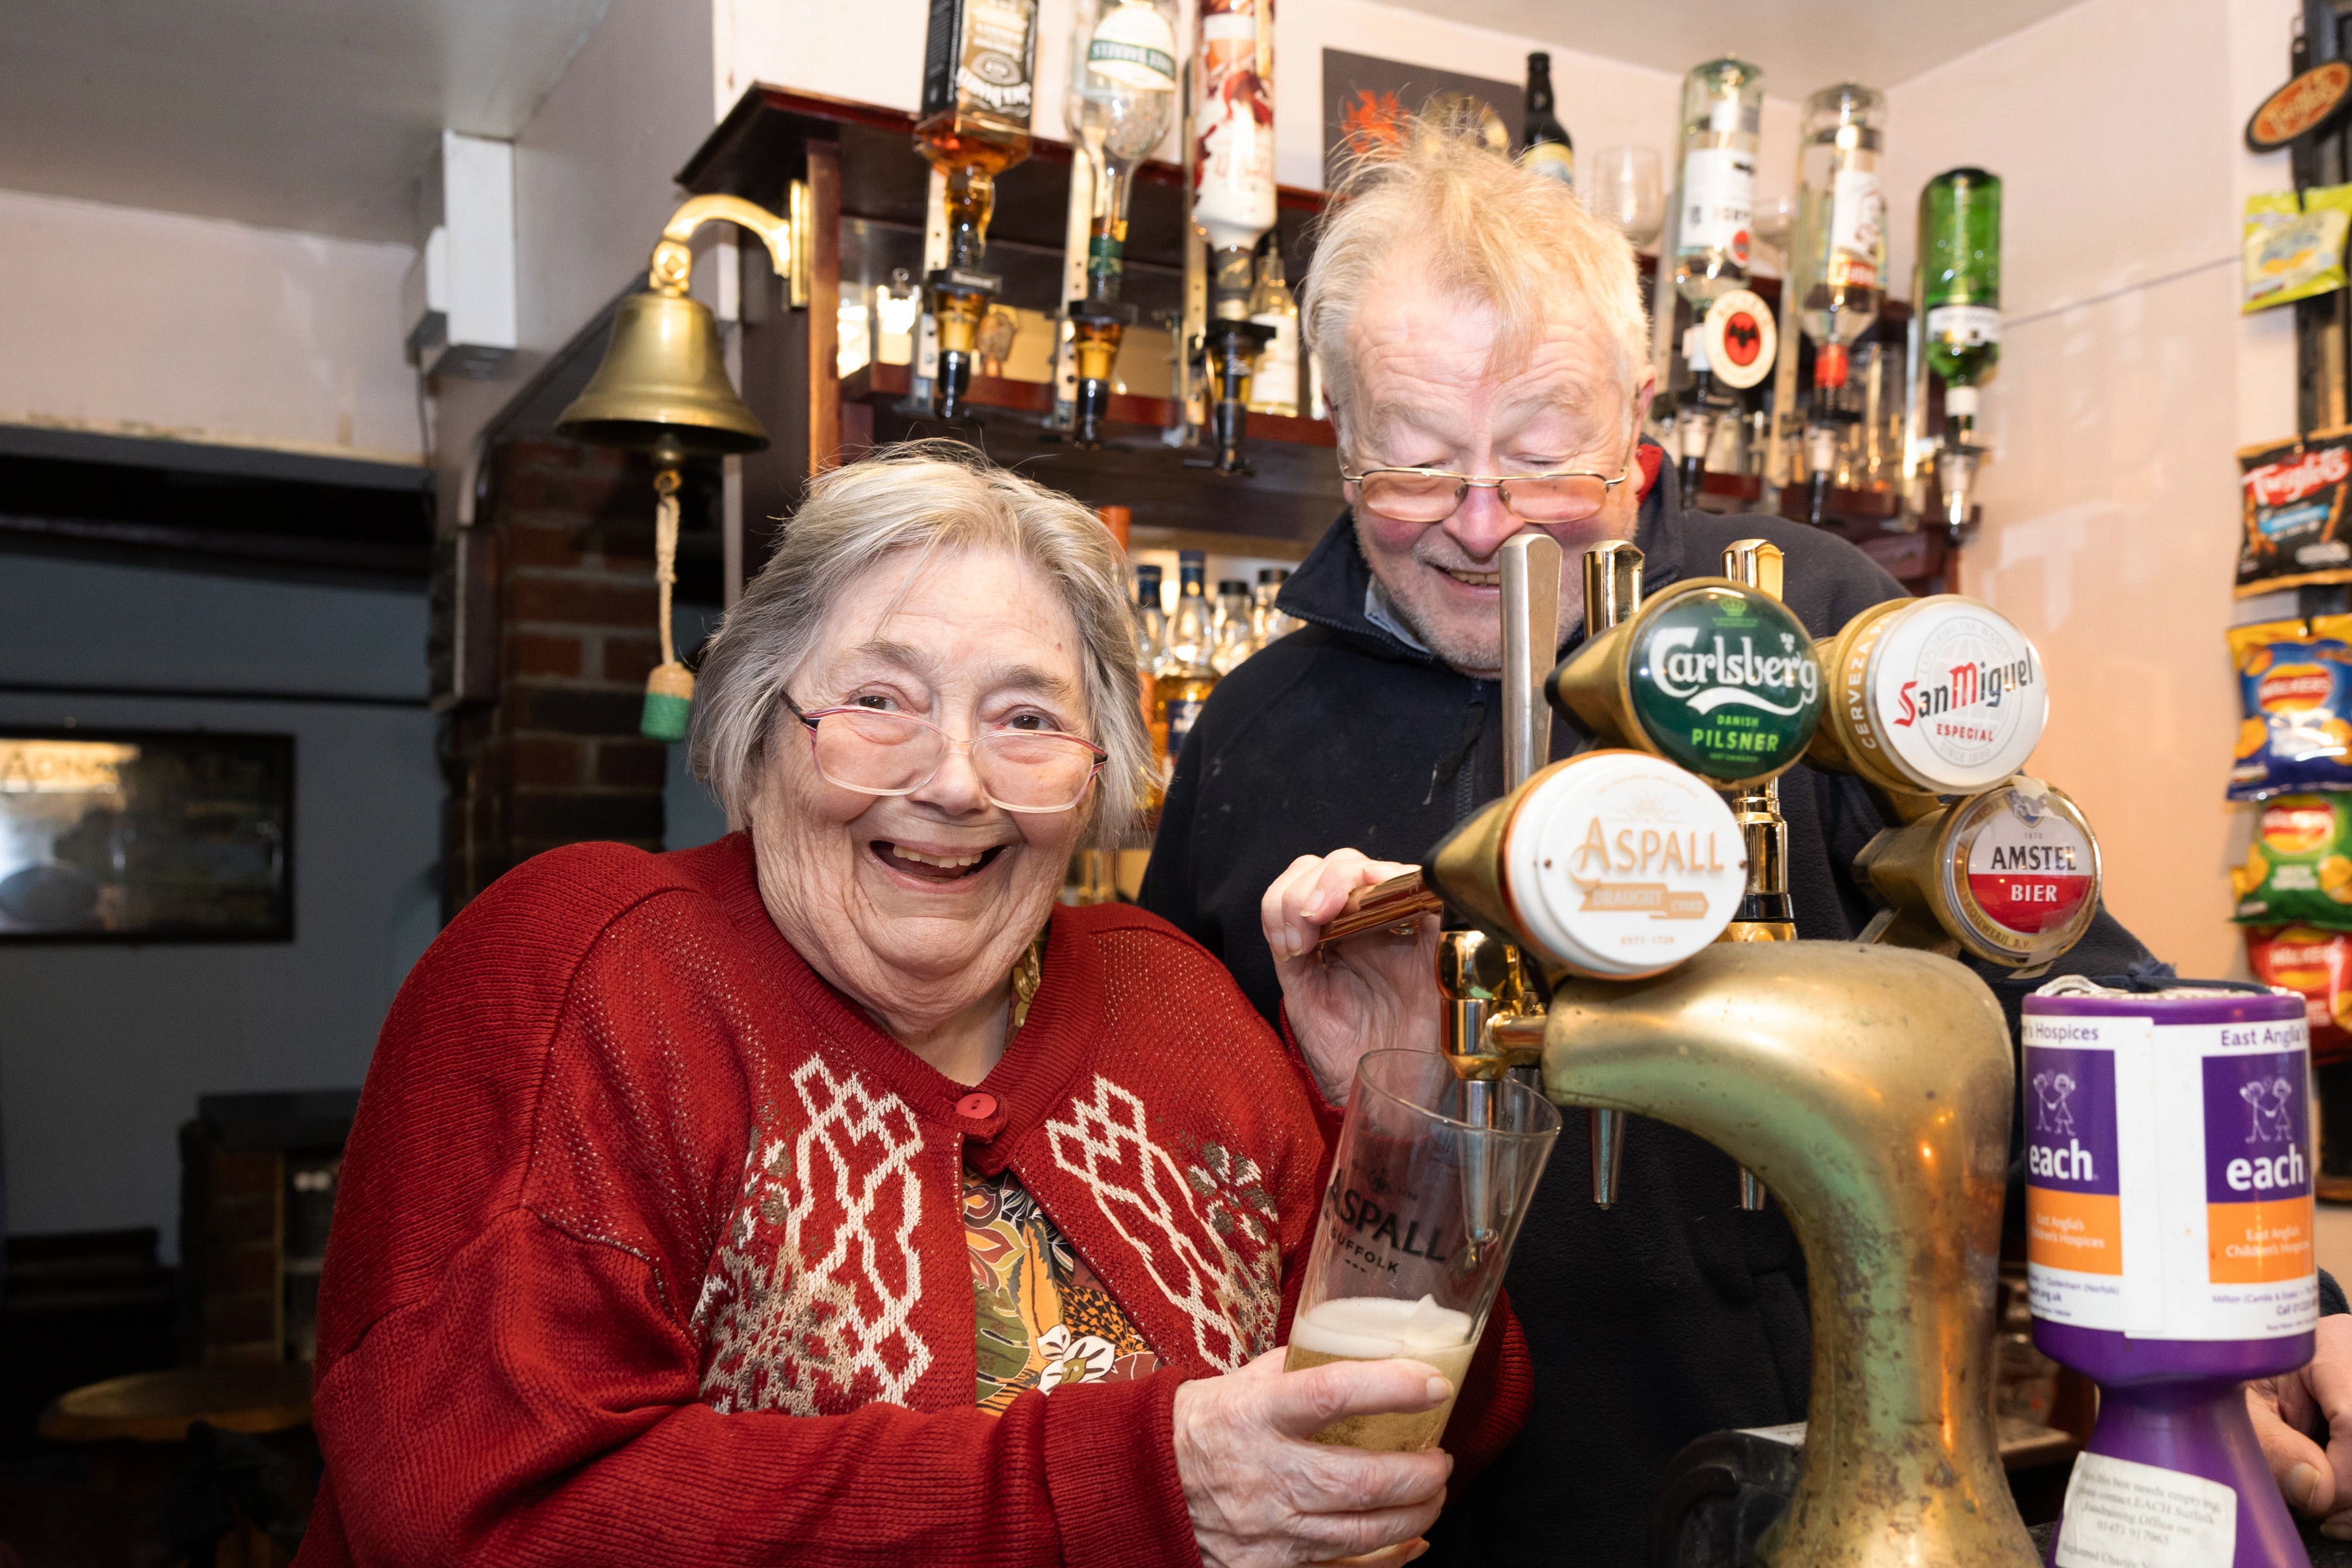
(1619, 865)
(2022, 871)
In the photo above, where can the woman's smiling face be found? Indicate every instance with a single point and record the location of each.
(917, 905)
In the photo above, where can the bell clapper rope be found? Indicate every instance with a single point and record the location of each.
(669, 689)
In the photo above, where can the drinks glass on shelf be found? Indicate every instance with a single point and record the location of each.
(1432, 1179)
(1622, 185)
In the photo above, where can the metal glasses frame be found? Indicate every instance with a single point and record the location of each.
(1500, 483)
(950, 745)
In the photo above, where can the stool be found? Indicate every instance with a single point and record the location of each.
(140, 1424)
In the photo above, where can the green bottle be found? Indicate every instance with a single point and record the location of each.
(1959, 264)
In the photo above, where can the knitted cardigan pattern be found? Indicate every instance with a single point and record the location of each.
(648, 1243)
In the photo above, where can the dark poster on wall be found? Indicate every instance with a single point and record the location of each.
(1363, 99)
(145, 836)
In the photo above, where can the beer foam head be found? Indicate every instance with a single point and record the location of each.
(1376, 1327)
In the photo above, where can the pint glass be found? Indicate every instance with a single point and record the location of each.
(1432, 1179)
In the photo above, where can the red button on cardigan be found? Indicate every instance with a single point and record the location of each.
(976, 1107)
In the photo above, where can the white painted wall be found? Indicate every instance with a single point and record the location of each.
(150, 324)
(591, 191)
(2127, 380)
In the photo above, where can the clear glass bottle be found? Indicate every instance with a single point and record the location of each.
(1231, 154)
(1187, 670)
(1723, 107)
(1122, 100)
(1230, 619)
(1269, 620)
(979, 87)
(1836, 261)
(1545, 145)
(1273, 389)
(1838, 258)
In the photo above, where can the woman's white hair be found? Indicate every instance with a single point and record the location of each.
(1481, 227)
(928, 497)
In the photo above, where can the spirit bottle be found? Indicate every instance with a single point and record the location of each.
(1233, 641)
(1122, 100)
(1232, 154)
(979, 60)
(1548, 149)
(1959, 300)
(1266, 619)
(1274, 388)
(1723, 107)
(1837, 259)
(1151, 642)
(1187, 673)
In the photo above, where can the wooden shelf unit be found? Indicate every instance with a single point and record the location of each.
(864, 177)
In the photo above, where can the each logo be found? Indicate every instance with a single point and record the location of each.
(2052, 1091)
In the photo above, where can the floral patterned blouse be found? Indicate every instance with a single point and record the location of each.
(1043, 1318)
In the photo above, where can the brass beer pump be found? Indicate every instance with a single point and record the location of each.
(1872, 1087)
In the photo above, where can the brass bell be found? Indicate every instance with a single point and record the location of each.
(662, 383)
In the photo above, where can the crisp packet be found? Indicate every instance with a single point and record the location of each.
(2291, 504)
(2294, 692)
(2295, 249)
(2299, 867)
(2318, 963)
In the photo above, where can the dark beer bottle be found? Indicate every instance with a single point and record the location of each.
(1549, 151)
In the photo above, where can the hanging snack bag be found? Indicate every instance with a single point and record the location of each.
(2294, 249)
(2292, 496)
(2300, 866)
(2318, 964)
(2295, 686)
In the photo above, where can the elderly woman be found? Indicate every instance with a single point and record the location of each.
(830, 1193)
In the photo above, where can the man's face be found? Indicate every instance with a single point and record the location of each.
(1425, 397)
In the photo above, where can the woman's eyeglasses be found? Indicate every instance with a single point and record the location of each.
(873, 752)
(1432, 495)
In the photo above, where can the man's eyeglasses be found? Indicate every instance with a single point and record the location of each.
(873, 752)
(1432, 495)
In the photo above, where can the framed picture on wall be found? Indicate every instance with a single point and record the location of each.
(146, 836)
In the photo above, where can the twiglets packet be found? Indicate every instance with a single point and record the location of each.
(2299, 870)
(2295, 249)
(2318, 963)
(2295, 687)
(2291, 505)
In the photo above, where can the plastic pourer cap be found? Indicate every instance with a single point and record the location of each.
(1830, 365)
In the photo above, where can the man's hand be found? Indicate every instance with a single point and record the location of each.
(1377, 992)
(2316, 1480)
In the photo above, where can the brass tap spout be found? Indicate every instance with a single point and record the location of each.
(1870, 1087)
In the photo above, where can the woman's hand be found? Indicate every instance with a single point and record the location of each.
(1378, 992)
(1262, 1495)
(2317, 1481)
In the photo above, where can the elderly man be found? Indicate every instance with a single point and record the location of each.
(1469, 317)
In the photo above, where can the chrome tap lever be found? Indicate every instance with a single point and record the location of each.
(1613, 592)
(1531, 563)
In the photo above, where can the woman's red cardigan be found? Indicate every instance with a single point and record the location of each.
(648, 1247)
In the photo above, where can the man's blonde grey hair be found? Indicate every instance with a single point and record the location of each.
(931, 498)
(1484, 229)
